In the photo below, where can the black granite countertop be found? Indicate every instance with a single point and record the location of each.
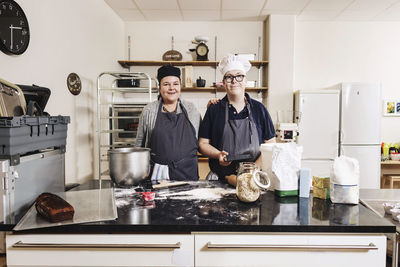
(207, 206)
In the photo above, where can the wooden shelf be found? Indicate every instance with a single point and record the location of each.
(252, 89)
(390, 162)
(128, 63)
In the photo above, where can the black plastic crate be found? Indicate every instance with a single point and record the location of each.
(23, 134)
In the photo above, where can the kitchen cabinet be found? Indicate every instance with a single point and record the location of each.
(197, 249)
(100, 250)
(289, 250)
(258, 64)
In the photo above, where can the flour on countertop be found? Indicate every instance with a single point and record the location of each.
(124, 192)
(124, 196)
(199, 193)
(121, 202)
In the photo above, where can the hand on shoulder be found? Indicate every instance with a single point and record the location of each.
(213, 101)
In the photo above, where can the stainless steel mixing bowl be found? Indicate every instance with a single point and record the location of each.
(129, 165)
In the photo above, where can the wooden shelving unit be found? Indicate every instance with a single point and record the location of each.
(211, 89)
(128, 63)
(213, 64)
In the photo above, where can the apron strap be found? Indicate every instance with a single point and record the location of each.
(187, 117)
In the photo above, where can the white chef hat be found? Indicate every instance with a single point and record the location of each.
(232, 62)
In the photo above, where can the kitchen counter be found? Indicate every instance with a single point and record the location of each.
(207, 206)
(374, 199)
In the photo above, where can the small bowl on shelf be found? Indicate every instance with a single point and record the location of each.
(395, 156)
(218, 84)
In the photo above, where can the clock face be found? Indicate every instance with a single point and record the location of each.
(74, 83)
(14, 28)
(201, 50)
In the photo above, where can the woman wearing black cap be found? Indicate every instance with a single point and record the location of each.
(169, 126)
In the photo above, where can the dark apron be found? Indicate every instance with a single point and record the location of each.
(174, 143)
(240, 140)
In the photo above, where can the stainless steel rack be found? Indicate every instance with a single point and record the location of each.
(110, 98)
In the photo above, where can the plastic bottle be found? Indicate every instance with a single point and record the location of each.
(385, 152)
(397, 146)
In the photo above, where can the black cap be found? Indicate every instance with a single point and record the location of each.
(168, 70)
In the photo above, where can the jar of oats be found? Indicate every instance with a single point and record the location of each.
(249, 182)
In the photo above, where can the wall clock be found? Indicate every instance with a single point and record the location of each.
(74, 83)
(14, 28)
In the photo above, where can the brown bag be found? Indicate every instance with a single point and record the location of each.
(12, 100)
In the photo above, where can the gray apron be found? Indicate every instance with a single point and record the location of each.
(240, 140)
(174, 143)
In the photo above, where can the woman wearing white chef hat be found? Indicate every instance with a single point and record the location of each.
(233, 129)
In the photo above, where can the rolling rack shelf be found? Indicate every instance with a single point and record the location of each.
(113, 104)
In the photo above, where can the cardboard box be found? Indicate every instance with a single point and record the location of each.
(321, 187)
(187, 76)
(321, 182)
(322, 193)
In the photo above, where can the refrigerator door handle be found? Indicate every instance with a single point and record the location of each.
(341, 136)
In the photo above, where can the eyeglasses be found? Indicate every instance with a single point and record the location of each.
(238, 78)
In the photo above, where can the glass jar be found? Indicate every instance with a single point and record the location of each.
(248, 182)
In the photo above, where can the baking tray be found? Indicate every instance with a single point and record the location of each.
(376, 205)
(90, 206)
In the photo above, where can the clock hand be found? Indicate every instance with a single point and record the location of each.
(11, 31)
(17, 28)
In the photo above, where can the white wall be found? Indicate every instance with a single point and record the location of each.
(150, 40)
(328, 53)
(281, 30)
(85, 37)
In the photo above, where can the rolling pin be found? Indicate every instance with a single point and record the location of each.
(165, 184)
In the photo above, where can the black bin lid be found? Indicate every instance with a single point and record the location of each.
(36, 93)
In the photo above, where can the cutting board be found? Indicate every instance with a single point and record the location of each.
(89, 205)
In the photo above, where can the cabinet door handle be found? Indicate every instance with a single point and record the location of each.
(371, 246)
(21, 244)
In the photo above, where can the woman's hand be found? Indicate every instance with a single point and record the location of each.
(208, 150)
(212, 101)
(222, 158)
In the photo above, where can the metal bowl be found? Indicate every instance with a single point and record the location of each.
(129, 165)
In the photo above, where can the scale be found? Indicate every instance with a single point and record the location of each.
(201, 48)
(287, 130)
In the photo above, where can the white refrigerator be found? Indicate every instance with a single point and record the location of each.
(341, 122)
(360, 129)
(317, 115)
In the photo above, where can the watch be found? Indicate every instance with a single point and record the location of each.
(14, 28)
(202, 52)
(74, 83)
